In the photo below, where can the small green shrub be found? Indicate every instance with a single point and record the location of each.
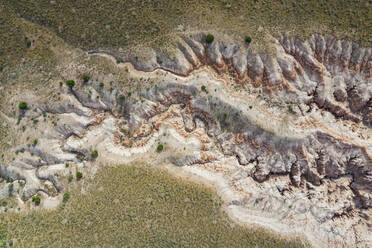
(70, 83)
(209, 38)
(66, 197)
(69, 178)
(203, 88)
(67, 164)
(122, 97)
(85, 78)
(89, 95)
(94, 154)
(10, 242)
(36, 200)
(79, 175)
(23, 105)
(248, 39)
(35, 142)
(101, 85)
(160, 147)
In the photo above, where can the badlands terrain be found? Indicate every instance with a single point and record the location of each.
(205, 139)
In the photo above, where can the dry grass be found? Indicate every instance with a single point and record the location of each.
(101, 23)
(135, 206)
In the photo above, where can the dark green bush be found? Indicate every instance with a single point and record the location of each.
(79, 175)
(101, 85)
(66, 197)
(36, 200)
(160, 148)
(85, 78)
(122, 97)
(203, 88)
(209, 38)
(22, 105)
(35, 142)
(70, 83)
(248, 39)
(94, 154)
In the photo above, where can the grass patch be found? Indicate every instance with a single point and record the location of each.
(119, 24)
(138, 207)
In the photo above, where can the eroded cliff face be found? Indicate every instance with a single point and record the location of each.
(286, 139)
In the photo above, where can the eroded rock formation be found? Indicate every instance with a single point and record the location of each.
(309, 181)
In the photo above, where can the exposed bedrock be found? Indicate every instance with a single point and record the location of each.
(316, 183)
(318, 170)
(334, 74)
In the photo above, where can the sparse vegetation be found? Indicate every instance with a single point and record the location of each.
(70, 83)
(131, 22)
(248, 39)
(35, 142)
(172, 212)
(22, 105)
(101, 85)
(209, 38)
(122, 97)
